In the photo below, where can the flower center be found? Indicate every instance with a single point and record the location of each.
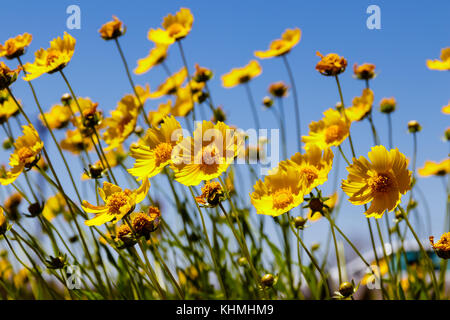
(310, 173)
(25, 154)
(51, 57)
(163, 152)
(381, 182)
(244, 78)
(117, 200)
(175, 29)
(210, 159)
(282, 198)
(277, 44)
(333, 133)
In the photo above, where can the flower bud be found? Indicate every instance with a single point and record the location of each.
(267, 102)
(388, 105)
(65, 98)
(414, 126)
(267, 280)
(346, 289)
(299, 222)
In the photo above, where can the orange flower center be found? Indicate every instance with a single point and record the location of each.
(210, 159)
(175, 29)
(163, 152)
(310, 173)
(51, 57)
(117, 200)
(381, 182)
(25, 154)
(333, 133)
(282, 198)
(277, 44)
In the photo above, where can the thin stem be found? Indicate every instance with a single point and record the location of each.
(252, 106)
(183, 57)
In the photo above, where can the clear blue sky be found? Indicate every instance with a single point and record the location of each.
(225, 35)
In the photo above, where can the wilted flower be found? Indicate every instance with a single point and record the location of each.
(212, 194)
(442, 247)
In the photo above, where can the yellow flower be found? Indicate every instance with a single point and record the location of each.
(112, 29)
(388, 105)
(26, 154)
(171, 85)
(7, 76)
(241, 75)
(185, 95)
(202, 74)
(378, 272)
(53, 59)
(278, 89)
(15, 47)
(281, 191)
(58, 117)
(76, 142)
(207, 154)
(175, 27)
(156, 56)
(332, 130)
(331, 203)
(212, 194)
(331, 64)
(365, 71)
(442, 247)
(154, 152)
(122, 122)
(446, 109)
(361, 106)
(118, 203)
(8, 107)
(443, 64)
(281, 46)
(381, 181)
(435, 169)
(156, 117)
(54, 206)
(313, 166)
(145, 223)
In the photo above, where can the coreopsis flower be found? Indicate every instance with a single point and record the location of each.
(75, 142)
(118, 203)
(278, 89)
(328, 205)
(443, 64)
(175, 28)
(171, 85)
(207, 154)
(57, 117)
(186, 97)
(156, 56)
(7, 76)
(145, 223)
(381, 181)
(435, 169)
(331, 65)
(154, 152)
(26, 153)
(54, 206)
(241, 75)
(122, 122)
(15, 47)
(112, 29)
(414, 126)
(361, 106)
(156, 117)
(365, 71)
(280, 47)
(202, 74)
(332, 130)
(442, 247)
(314, 166)
(52, 59)
(446, 109)
(281, 191)
(212, 194)
(8, 106)
(388, 105)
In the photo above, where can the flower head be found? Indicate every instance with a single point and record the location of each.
(280, 47)
(241, 75)
(26, 154)
(154, 151)
(331, 64)
(388, 105)
(112, 29)
(7, 76)
(332, 130)
(278, 89)
(145, 223)
(365, 71)
(442, 247)
(52, 59)
(207, 154)
(361, 106)
(76, 142)
(212, 194)
(443, 64)
(118, 203)
(186, 97)
(382, 180)
(156, 117)
(202, 74)
(175, 27)
(57, 117)
(15, 47)
(435, 169)
(171, 85)
(8, 106)
(156, 56)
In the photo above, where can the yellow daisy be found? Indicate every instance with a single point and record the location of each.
(26, 153)
(15, 47)
(57, 117)
(443, 64)
(381, 181)
(112, 29)
(361, 106)
(435, 169)
(154, 151)
(241, 75)
(332, 130)
(207, 154)
(185, 96)
(53, 59)
(442, 247)
(281, 46)
(8, 107)
(331, 64)
(76, 142)
(156, 56)
(7, 76)
(156, 117)
(175, 27)
(171, 85)
(118, 203)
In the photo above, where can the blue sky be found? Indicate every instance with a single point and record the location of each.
(226, 33)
